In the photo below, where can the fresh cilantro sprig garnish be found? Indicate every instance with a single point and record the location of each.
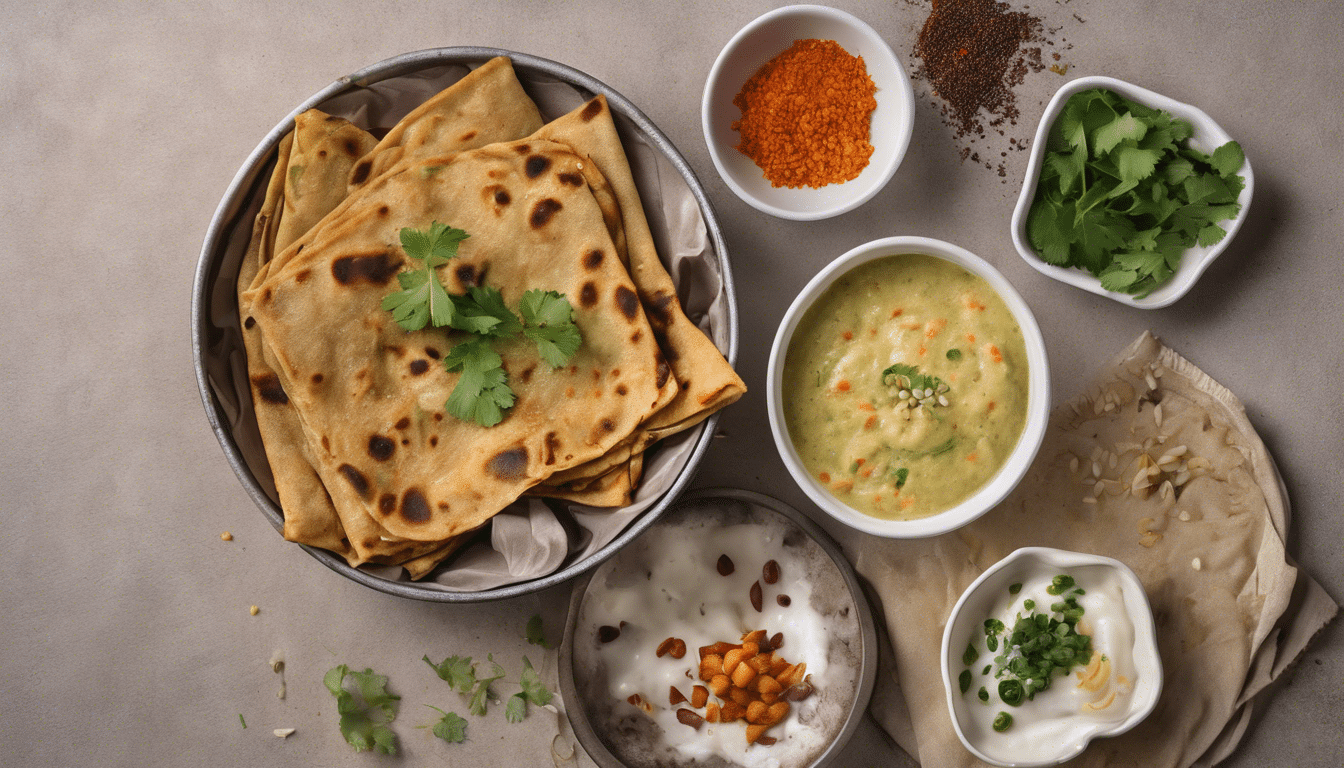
(482, 393)
(423, 299)
(548, 320)
(1122, 195)
(366, 711)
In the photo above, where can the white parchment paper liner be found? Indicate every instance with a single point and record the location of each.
(527, 541)
(1226, 628)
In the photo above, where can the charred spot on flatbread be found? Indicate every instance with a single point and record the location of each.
(403, 422)
(593, 259)
(268, 386)
(302, 275)
(621, 389)
(468, 136)
(375, 269)
(508, 465)
(543, 211)
(468, 275)
(552, 443)
(432, 352)
(317, 378)
(663, 371)
(249, 323)
(387, 503)
(591, 110)
(536, 165)
(627, 302)
(588, 295)
(658, 308)
(352, 148)
(414, 506)
(381, 447)
(361, 172)
(356, 479)
(570, 178)
(419, 367)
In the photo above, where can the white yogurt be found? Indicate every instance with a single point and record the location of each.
(1071, 709)
(667, 584)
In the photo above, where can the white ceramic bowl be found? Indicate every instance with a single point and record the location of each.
(977, 602)
(762, 40)
(1207, 137)
(1038, 394)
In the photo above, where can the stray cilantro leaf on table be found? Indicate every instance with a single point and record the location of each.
(457, 671)
(364, 717)
(460, 673)
(452, 728)
(535, 633)
(1120, 196)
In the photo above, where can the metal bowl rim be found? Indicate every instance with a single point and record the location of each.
(868, 661)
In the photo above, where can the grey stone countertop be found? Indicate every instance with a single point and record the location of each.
(127, 638)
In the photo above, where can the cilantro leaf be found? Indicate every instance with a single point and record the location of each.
(515, 709)
(364, 718)
(482, 311)
(423, 299)
(482, 392)
(1125, 127)
(548, 320)
(452, 728)
(535, 633)
(1227, 159)
(481, 693)
(457, 671)
(534, 690)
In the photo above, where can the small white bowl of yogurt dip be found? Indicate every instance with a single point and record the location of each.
(1046, 651)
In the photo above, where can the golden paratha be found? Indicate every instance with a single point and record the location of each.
(371, 395)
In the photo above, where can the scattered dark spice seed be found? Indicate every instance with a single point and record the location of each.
(757, 598)
(726, 566)
(777, 641)
(607, 633)
(783, 601)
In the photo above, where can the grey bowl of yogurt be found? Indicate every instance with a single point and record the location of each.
(731, 633)
(1046, 651)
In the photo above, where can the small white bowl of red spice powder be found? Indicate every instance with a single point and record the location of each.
(807, 113)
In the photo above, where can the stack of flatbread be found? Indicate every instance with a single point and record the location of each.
(350, 406)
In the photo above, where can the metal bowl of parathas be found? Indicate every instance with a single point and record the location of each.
(373, 446)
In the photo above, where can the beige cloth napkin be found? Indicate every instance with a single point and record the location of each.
(1232, 612)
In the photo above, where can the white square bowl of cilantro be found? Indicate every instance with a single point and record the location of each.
(1129, 194)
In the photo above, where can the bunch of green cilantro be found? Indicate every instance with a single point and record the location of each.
(1122, 195)
(482, 393)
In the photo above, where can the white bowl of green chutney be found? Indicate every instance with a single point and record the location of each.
(908, 388)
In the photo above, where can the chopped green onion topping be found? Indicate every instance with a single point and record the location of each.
(1003, 722)
(965, 680)
(1015, 588)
